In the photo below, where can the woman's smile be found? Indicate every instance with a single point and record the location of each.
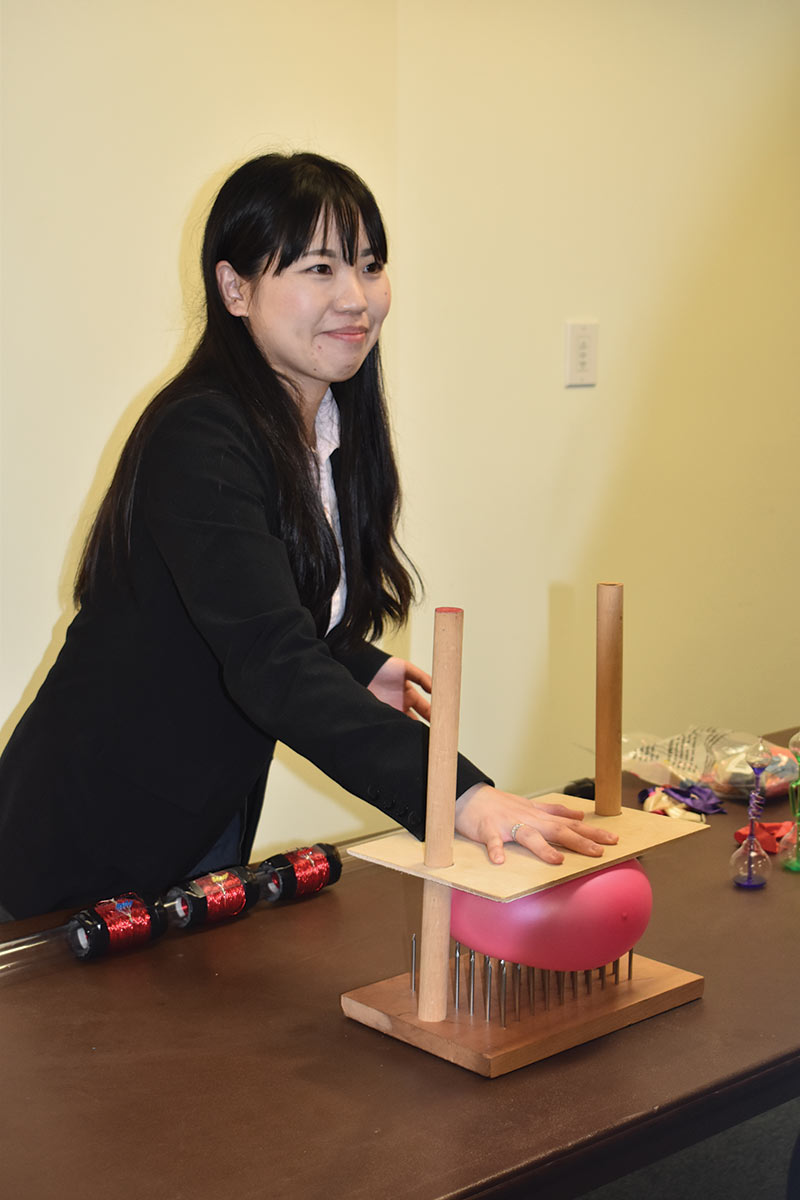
(348, 333)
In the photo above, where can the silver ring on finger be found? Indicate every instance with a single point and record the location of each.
(515, 830)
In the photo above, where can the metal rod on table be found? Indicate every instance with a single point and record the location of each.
(488, 984)
(457, 989)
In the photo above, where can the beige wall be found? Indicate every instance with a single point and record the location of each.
(628, 160)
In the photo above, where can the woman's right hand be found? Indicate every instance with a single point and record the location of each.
(485, 814)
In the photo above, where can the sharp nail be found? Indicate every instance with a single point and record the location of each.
(413, 962)
(458, 974)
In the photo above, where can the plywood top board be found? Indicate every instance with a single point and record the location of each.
(521, 873)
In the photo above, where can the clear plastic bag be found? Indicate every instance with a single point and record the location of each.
(706, 755)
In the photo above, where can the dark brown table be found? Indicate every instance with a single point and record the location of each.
(217, 1062)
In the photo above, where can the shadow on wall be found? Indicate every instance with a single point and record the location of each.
(193, 307)
(94, 495)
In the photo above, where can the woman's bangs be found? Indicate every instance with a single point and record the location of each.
(340, 217)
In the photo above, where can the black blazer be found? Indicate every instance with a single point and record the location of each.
(158, 720)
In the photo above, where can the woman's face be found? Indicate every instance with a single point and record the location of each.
(318, 319)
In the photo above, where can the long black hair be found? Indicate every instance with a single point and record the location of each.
(265, 216)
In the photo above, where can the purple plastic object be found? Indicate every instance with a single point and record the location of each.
(574, 926)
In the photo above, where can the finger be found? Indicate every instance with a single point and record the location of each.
(570, 839)
(594, 833)
(598, 834)
(494, 848)
(560, 810)
(418, 702)
(417, 675)
(532, 840)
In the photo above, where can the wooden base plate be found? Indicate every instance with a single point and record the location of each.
(488, 1049)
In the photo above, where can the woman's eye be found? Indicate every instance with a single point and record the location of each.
(373, 268)
(320, 269)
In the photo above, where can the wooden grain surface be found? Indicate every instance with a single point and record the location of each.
(487, 1048)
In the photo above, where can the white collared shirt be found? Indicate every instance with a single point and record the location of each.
(327, 431)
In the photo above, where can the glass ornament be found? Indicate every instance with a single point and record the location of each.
(789, 848)
(749, 865)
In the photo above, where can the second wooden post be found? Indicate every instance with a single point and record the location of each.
(608, 712)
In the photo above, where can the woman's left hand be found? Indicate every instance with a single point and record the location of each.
(398, 683)
(484, 814)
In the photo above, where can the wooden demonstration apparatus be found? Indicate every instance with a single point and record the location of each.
(450, 1012)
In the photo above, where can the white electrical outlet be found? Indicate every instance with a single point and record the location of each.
(581, 353)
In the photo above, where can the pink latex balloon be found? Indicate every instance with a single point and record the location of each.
(574, 926)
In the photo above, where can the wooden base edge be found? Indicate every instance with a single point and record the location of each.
(488, 1049)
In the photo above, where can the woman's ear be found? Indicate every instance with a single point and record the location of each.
(233, 289)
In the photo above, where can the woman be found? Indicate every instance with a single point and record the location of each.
(238, 568)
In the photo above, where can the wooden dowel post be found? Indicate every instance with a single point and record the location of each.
(442, 767)
(608, 711)
(448, 632)
(434, 957)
